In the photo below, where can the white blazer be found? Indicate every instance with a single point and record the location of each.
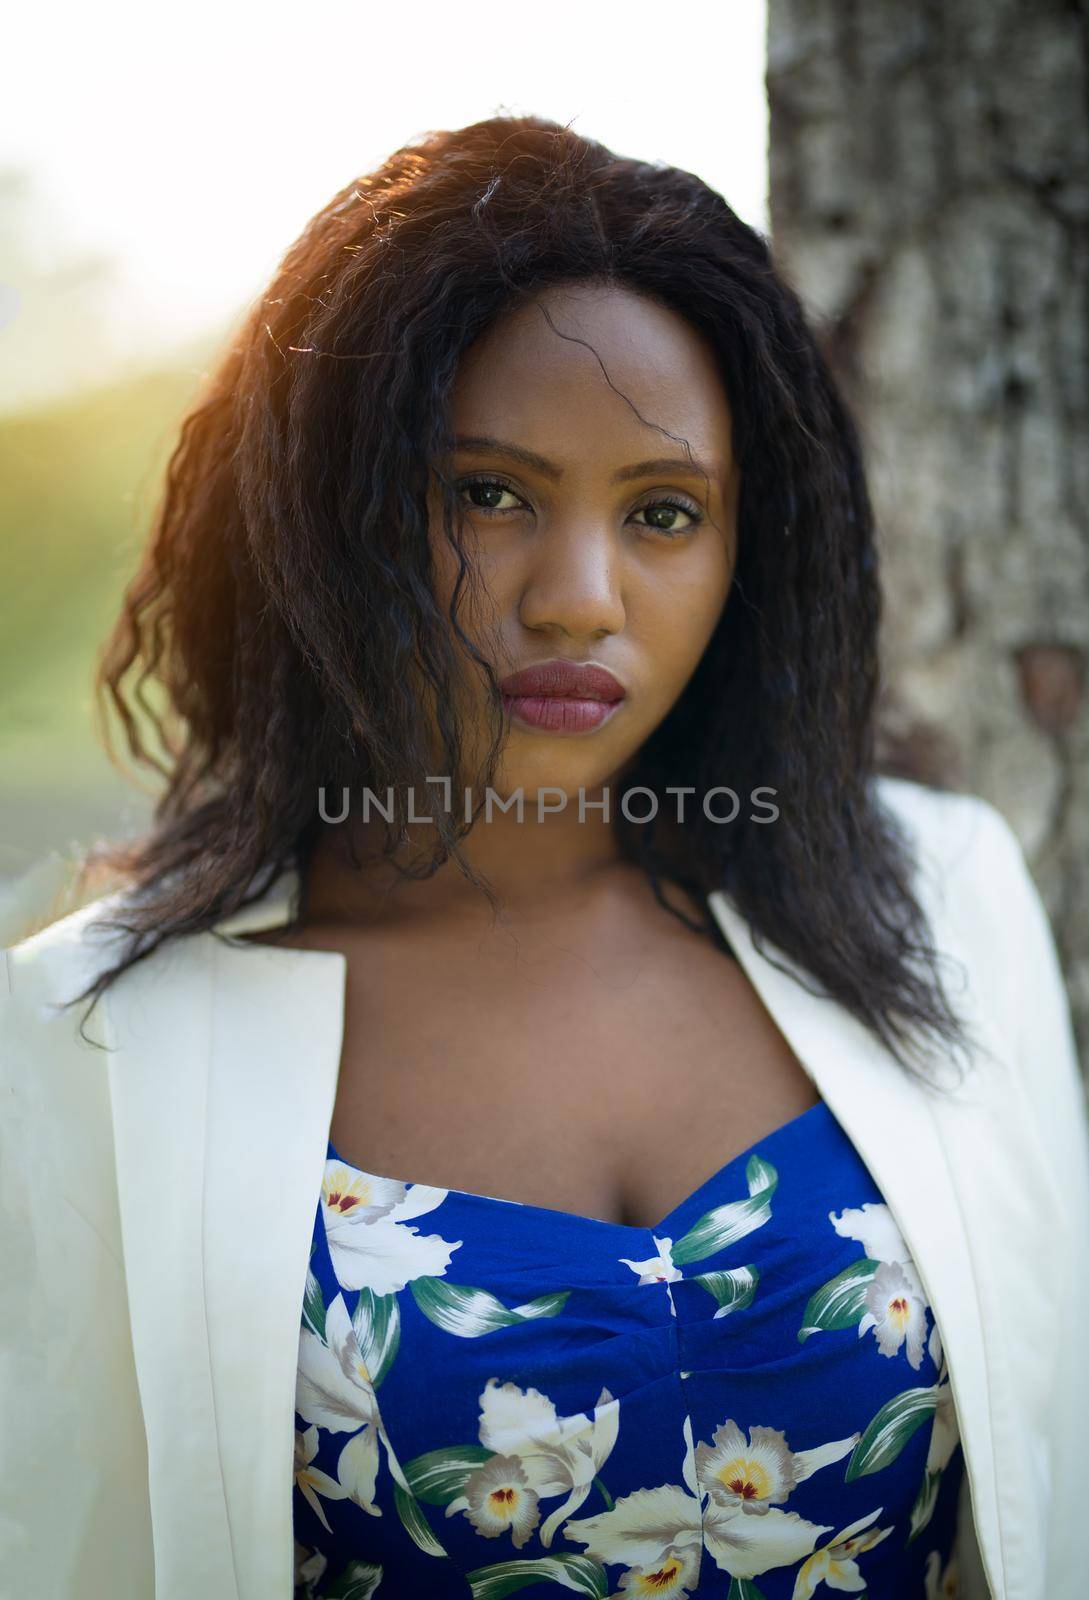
(157, 1202)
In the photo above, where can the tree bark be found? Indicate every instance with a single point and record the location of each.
(929, 199)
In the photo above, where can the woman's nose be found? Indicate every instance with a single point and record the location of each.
(574, 582)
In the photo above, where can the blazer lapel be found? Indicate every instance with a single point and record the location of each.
(891, 1121)
(275, 1042)
(161, 1016)
(222, 1086)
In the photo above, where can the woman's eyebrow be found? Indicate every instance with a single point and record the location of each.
(549, 469)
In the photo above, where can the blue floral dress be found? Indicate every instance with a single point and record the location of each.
(747, 1400)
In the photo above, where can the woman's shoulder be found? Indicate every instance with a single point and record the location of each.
(951, 830)
(52, 961)
(48, 953)
(41, 969)
(56, 945)
(54, 1060)
(988, 914)
(972, 874)
(994, 936)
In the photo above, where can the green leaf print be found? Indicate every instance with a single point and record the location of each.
(439, 1476)
(725, 1225)
(889, 1431)
(744, 1589)
(468, 1312)
(377, 1323)
(841, 1302)
(925, 1501)
(416, 1524)
(604, 1493)
(358, 1581)
(731, 1291)
(574, 1572)
(314, 1305)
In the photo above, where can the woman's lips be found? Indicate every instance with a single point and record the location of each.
(558, 715)
(562, 696)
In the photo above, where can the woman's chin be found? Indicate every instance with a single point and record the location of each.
(549, 782)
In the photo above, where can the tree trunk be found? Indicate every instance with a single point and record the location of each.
(929, 197)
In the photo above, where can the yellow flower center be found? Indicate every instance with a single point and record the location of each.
(346, 1200)
(503, 1500)
(662, 1580)
(746, 1478)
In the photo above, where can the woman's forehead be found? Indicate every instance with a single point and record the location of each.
(595, 373)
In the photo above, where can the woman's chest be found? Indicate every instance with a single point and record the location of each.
(606, 1087)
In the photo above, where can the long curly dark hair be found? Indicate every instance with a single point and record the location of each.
(282, 620)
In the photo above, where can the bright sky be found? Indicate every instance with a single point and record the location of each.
(189, 145)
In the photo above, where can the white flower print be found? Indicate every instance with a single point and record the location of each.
(500, 1498)
(656, 1269)
(365, 1227)
(896, 1303)
(896, 1313)
(649, 1528)
(357, 1470)
(558, 1455)
(333, 1390)
(309, 1564)
(747, 1546)
(333, 1387)
(349, 1192)
(875, 1229)
(945, 1432)
(835, 1564)
(751, 1476)
(743, 1531)
(672, 1579)
(655, 1533)
(311, 1480)
(644, 1531)
(942, 1583)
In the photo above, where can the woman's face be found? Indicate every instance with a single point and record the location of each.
(596, 535)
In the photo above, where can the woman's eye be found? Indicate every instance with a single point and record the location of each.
(486, 494)
(492, 495)
(662, 515)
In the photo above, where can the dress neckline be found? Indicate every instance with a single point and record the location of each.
(817, 1113)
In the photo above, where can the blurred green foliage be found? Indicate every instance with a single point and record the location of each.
(79, 482)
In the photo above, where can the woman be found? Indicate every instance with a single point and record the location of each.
(538, 1048)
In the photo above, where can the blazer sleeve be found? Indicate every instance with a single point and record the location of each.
(1047, 1060)
(74, 1510)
